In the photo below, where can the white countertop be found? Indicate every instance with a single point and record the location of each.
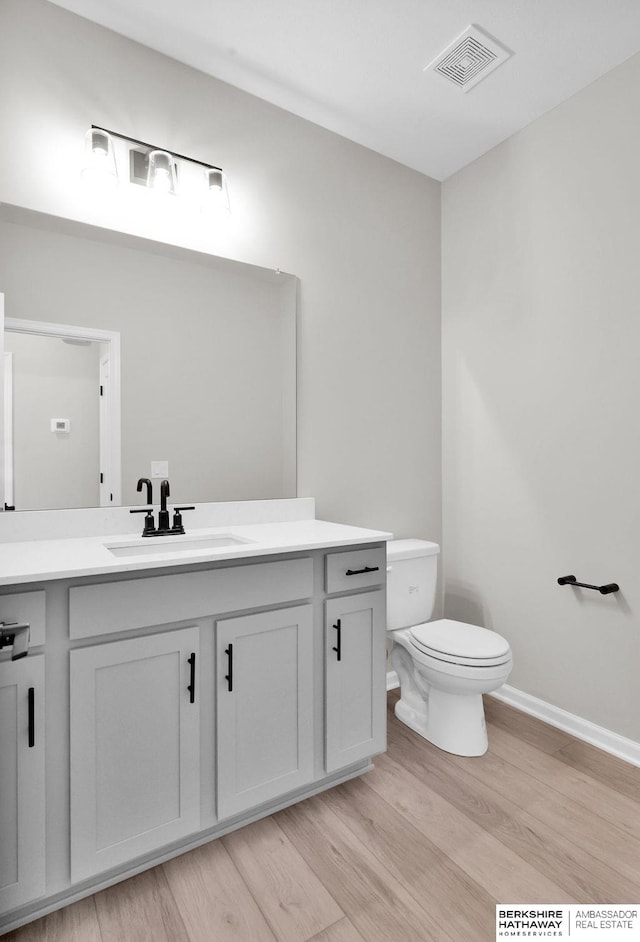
(40, 560)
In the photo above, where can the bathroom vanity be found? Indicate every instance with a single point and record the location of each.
(174, 691)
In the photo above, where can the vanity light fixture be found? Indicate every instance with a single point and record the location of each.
(158, 169)
(99, 158)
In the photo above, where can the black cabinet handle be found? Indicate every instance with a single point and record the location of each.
(192, 677)
(358, 572)
(32, 722)
(229, 677)
(338, 647)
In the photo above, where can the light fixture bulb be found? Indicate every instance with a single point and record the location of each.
(161, 174)
(99, 159)
(217, 193)
(161, 180)
(214, 180)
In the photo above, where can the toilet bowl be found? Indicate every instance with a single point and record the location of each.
(444, 666)
(441, 690)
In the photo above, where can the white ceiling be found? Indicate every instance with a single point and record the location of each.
(356, 66)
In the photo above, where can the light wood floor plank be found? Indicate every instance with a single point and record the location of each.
(341, 931)
(454, 899)
(293, 900)
(528, 729)
(141, 909)
(590, 792)
(75, 923)
(504, 874)
(373, 899)
(546, 848)
(581, 827)
(613, 772)
(213, 899)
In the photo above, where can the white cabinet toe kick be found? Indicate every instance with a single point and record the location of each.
(158, 710)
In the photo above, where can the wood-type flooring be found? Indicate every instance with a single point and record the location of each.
(421, 848)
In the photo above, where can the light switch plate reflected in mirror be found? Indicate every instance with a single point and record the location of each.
(159, 469)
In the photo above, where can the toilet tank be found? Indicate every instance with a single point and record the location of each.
(412, 570)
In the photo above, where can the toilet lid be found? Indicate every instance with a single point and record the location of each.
(460, 643)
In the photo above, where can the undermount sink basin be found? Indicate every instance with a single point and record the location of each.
(155, 546)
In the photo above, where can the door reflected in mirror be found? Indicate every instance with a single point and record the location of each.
(62, 393)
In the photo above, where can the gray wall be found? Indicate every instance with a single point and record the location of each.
(541, 335)
(360, 231)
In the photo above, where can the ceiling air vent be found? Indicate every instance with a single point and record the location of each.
(470, 58)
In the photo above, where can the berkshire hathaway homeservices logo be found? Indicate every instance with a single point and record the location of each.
(520, 922)
(593, 922)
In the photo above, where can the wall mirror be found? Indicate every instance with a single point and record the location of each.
(204, 382)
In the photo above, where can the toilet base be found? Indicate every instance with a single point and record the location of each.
(452, 722)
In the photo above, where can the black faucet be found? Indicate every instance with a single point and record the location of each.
(163, 515)
(163, 528)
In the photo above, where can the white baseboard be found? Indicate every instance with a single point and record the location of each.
(598, 736)
(605, 739)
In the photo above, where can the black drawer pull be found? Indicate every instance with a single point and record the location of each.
(358, 572)
(338, 648)
(191, 687)
(32, 721)
(229, 677)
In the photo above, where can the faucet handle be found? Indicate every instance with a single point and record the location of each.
(177, 519)
(149, 522)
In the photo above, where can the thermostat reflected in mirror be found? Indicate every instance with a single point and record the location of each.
(60, 425)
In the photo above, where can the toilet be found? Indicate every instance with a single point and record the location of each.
(443, 666)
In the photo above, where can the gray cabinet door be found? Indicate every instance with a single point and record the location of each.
(22, 782)
(264, 706)
(135, 746)
(355, 679)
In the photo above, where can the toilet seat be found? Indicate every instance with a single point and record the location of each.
(457, 642)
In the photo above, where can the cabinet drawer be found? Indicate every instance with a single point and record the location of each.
(25, 607)
(355, 569)
(107, 607)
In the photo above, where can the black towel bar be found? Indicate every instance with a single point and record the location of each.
(602, 589)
